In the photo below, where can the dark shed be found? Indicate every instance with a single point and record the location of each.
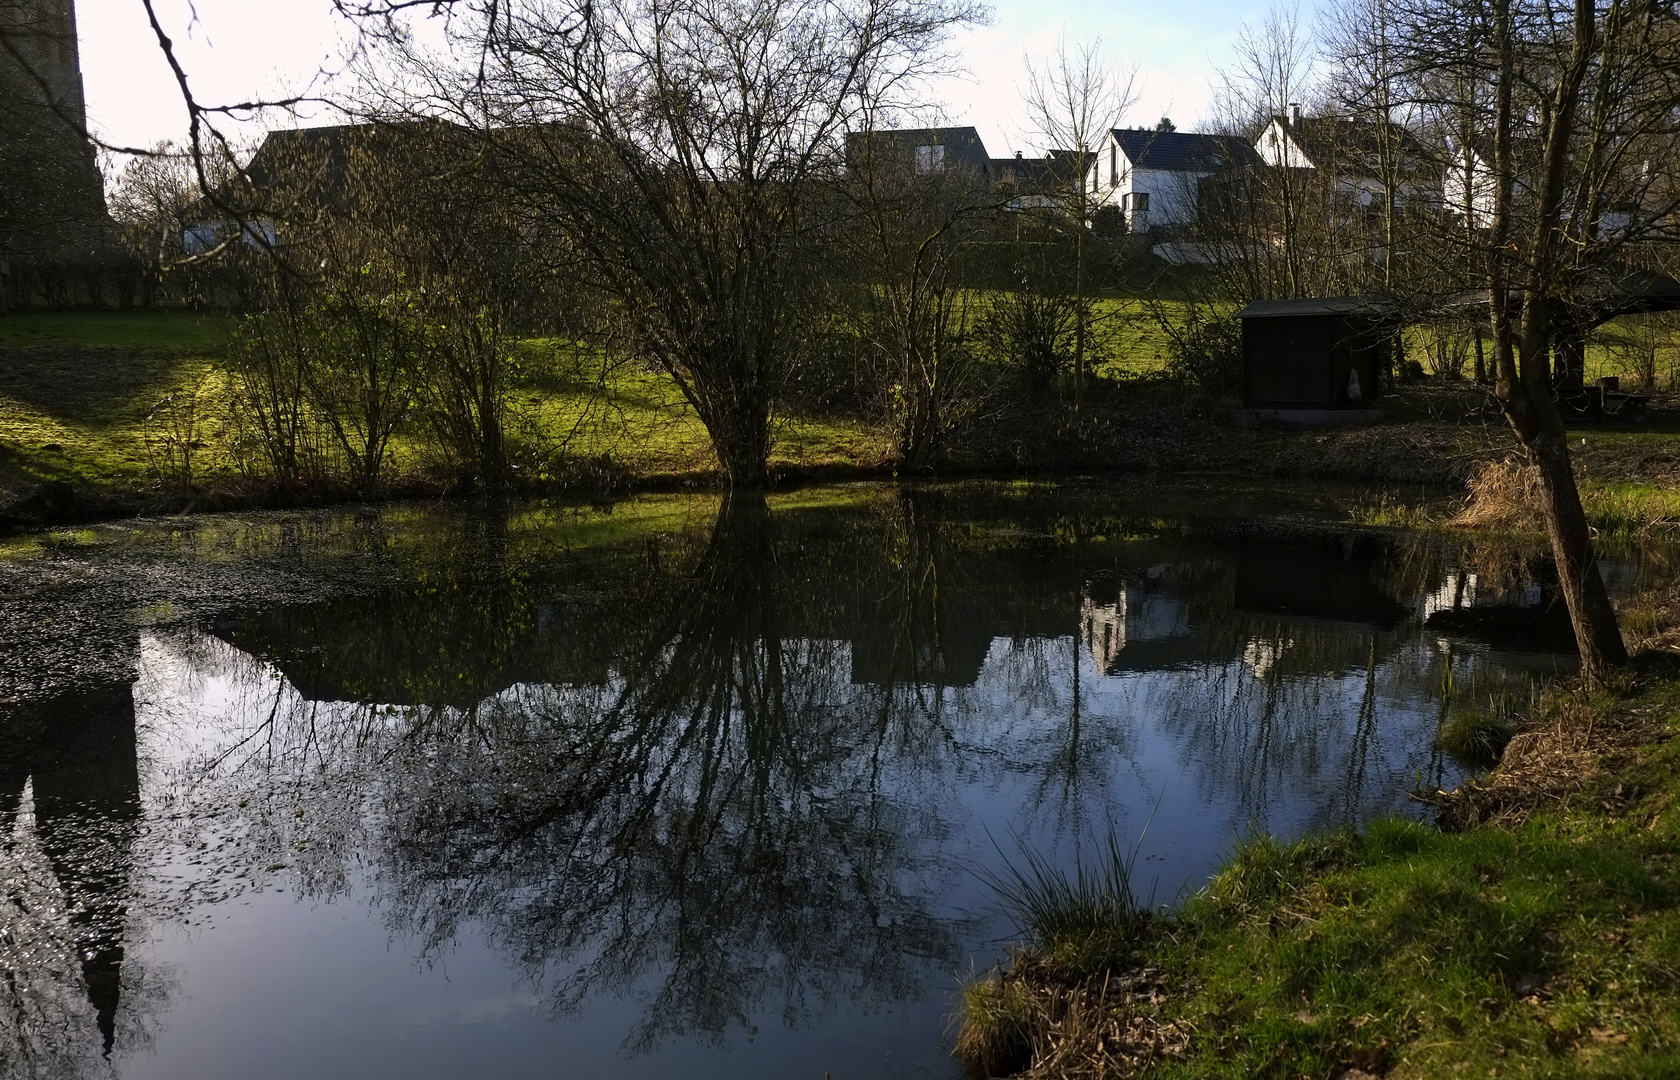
(1327, 353)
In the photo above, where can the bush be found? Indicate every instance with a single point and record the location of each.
(1032, 332)
(1204, 350)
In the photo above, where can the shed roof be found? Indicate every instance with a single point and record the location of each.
(1597, 297)
(1320, 305)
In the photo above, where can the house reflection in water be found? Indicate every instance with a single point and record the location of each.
(1271, 596)
(1149, 614)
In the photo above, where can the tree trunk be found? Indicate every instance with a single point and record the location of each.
(740, 432)
(1596, 633)
(1525, 391)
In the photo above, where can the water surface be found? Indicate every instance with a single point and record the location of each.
(679, 787)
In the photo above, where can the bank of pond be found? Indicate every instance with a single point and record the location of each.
(684, 785)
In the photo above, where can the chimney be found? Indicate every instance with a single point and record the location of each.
(1294, 113)
(1017, 155)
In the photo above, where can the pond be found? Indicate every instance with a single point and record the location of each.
(681, 786)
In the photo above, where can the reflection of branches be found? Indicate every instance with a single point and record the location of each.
(700, 817)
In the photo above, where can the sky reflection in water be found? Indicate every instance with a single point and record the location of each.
(693, 788)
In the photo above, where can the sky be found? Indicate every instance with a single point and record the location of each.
(237, 50)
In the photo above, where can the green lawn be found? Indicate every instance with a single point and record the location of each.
(1544, 946)
(186, 331)
(80, 395)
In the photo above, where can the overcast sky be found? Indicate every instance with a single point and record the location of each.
(240, 49)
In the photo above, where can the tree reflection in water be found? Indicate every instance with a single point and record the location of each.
(700, 816)
(712, 813)
(733, 772)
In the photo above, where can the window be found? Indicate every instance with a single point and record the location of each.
(1113, 166)
(930, 159)
(1138, 202)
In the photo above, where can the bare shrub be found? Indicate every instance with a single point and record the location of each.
(175, 431)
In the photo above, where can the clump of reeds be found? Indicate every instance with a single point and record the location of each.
(1071, 995)
(1503, 495)
(1479, 736)
(1081, 919)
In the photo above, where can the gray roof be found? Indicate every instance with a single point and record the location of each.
(1182, 151)
(1320, 305)
(963, 148)
(1353, 146)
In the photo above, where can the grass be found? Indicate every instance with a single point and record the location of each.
(1623, 510)
(177, 331)
(1478, 736)
(79, 397)
(1544, 945)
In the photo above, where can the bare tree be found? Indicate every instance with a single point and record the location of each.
(1572, 133)
(1074, 101)
(1271, 78)
(687, 152)
(908, 224)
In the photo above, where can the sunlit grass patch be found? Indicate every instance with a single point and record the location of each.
(1392, 511)
(1624, 510)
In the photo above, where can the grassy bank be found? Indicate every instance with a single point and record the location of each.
(1535, 933)
(92, 407)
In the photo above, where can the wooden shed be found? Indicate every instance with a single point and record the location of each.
(1327, 353)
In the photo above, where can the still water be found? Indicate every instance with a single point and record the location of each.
(679, 787)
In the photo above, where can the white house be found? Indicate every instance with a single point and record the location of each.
(1152, 175)
(1358, 158)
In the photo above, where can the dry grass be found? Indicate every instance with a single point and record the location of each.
(1503, 494)
(1027, 1022)
(1570, 746)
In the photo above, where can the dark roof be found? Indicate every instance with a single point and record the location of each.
(963, 148)
(1320, 305)
(1023, 171)
(1352, 146)
(319, 158)
(1182, 151)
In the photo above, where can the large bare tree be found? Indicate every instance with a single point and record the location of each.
(688, 153)
(1566, 125)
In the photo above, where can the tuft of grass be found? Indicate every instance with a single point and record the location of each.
(1479, 736)
(1081, 921)
(999, 1017)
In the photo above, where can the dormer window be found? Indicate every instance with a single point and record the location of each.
(930, 159)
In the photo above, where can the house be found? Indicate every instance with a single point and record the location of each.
(922, 151)
(1470, 186)
(302, 178)
(1356, 160)
(1039, 183)
(1153, 175)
